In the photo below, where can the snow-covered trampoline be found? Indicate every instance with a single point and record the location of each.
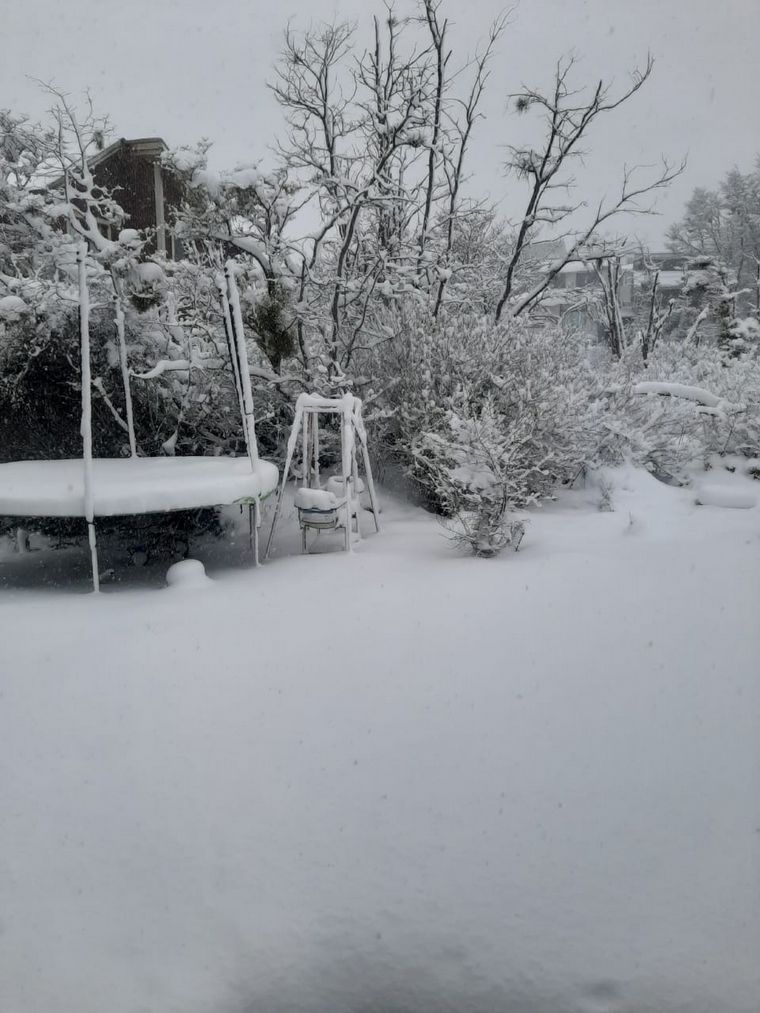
(139, 485)
(111, 487)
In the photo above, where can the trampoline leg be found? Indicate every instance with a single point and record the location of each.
(303, 541)
(253, 533)
(256, 526)
(93, 556)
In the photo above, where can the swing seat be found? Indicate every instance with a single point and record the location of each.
(322, 520)
(318, 508)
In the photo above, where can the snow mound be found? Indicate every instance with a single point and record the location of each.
(723, 496)
(334, 485)
(188, 573)
(630, 488)
(130, 238)
(149, 273)
(315, 499)
(12, 308)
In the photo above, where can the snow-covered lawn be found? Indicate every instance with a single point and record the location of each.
(402, 780)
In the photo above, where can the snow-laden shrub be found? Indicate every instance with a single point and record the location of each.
(673, 435)
(469, 460)
(744, 336)
(487, 418)
(146, 285)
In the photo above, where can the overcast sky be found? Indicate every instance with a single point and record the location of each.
(185, 69)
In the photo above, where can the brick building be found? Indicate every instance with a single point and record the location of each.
(145, 190)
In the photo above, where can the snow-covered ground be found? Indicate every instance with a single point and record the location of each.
(402, 780)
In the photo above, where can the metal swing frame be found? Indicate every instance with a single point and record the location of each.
(353, 443)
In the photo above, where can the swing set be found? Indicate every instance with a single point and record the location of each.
(335, 507)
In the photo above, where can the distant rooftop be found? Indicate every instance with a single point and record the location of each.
(140, 145)
(150, 147)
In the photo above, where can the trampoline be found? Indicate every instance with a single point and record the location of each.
(111, 487)
(139, 485)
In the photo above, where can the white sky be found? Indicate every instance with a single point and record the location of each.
(185, 69)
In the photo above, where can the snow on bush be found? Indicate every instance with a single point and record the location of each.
(673, 435)
(12, 308)
(147, 285)
(487, 419)
(743, 334)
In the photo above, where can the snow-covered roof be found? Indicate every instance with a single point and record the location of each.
(670, 279)
(665, 279)
(148, 146)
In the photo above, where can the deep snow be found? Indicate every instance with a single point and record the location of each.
(401, 780)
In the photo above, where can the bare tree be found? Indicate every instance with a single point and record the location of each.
(90, 207)
(657, 313)
(348, 124)
(442, 55)
(609, 271)
(461, 128)
(568, 118)
(379, 141)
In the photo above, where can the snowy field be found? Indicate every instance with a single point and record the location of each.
(403, 781)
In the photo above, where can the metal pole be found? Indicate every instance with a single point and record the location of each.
(355, 484)
(119, 314)
(345, 448)
(315, 438)
(256, 527)
(86, 427)
(229, 333)
(292, 440)
(245, 376)
(362, 433)
(306, 468)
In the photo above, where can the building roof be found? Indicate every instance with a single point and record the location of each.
(150, 147)
(147, 146)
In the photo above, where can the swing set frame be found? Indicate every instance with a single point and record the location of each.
(309, 407)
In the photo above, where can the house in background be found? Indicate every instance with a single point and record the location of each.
(141, 185)
(572, 292)
(671, 268)
(574, 295)
(132, 171)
